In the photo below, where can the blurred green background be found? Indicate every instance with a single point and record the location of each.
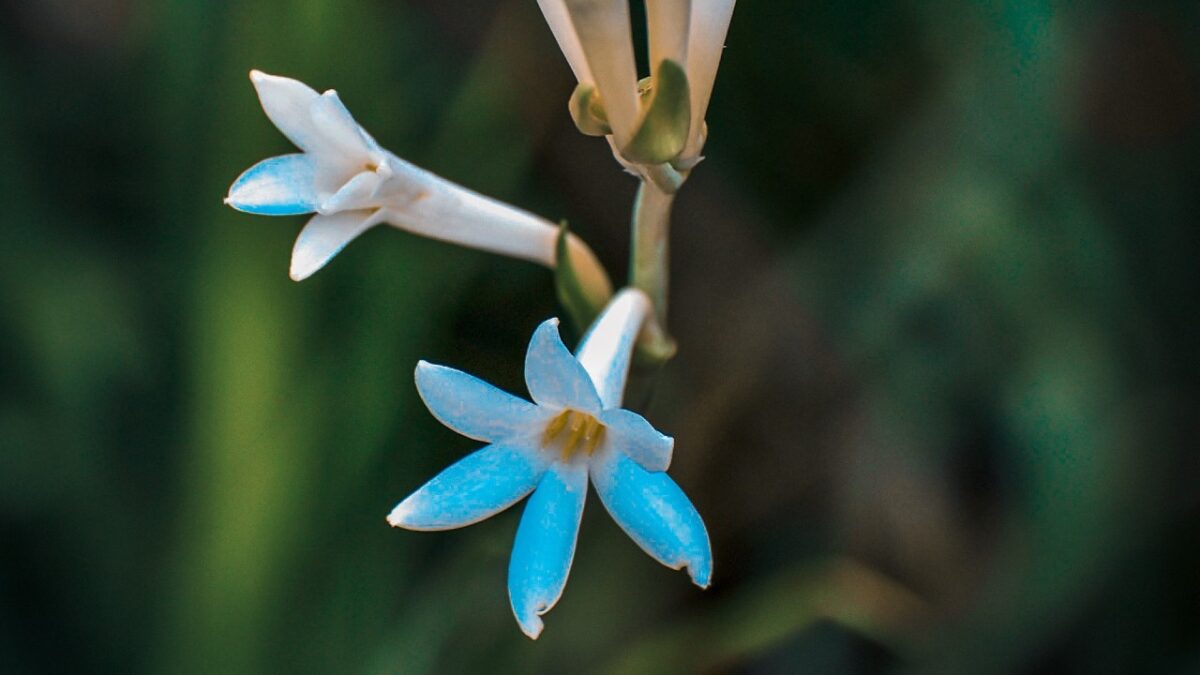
(935, 291)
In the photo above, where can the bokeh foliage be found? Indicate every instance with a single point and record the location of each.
(934, 292)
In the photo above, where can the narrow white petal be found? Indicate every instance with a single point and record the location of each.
(667, 24)
(358, 193)
(606, 350)
(604, 35)
(323, 237)
(555, 12)
(288, 104)
(338, 128)
(545, 544)
(706, 40)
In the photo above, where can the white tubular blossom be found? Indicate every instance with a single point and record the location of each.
(607, 348)
(706, 40)
(667, 24)
(603, 30)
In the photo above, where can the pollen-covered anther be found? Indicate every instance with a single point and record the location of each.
(574, 430)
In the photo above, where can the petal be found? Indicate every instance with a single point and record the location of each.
(553, 375)
(667, 29)
(603, 28)
(337, 126)
(279, 186)
(555, 12)
(318, 124)
(630, 433)
(706, 40)
(323, 237)
(476, 487)
(475, 408)
(358, 193)
(288, 104)
(545, 544)
(606, 349)
(655, 513)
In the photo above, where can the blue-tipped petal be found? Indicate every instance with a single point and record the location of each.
(475, 408)
(476, 487)
(553, 375)
(630, 433)
(655, 513)
(545, 544)
(279, 186)
(323, 237)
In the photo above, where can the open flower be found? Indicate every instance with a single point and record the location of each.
(595, 37)
(575, 428)
(352, 184)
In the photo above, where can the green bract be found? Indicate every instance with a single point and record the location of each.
(662, 130)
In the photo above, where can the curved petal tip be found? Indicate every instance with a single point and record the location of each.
(701, 572)
(532, 624)
(400, 515)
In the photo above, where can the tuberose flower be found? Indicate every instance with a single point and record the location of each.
(352, 184)
(574, 428)
(595, 37)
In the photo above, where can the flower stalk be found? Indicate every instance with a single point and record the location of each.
(650, 253)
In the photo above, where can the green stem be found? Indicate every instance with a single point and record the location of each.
(650, 255)
(649, 268)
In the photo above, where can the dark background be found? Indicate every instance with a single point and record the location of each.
(934, 287)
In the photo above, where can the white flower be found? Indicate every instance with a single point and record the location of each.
(595, 37)
(574, 429)
(352, 184)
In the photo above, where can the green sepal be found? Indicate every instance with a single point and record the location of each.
(663, 130)
(588, 112)
(581, 307)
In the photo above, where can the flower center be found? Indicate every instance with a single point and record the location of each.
(574, 431)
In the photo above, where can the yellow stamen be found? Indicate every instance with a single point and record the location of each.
(555, 427)
(574, 430)
(579, 425)
(595, 438)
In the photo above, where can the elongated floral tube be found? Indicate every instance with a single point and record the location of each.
(708, 25)
(449, 212)
(667, 24)
(351, 184)
(607, 349)
(555, 12)
(602, 28)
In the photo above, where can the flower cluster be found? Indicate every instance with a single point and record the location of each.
(575, 429)
(659, 119)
